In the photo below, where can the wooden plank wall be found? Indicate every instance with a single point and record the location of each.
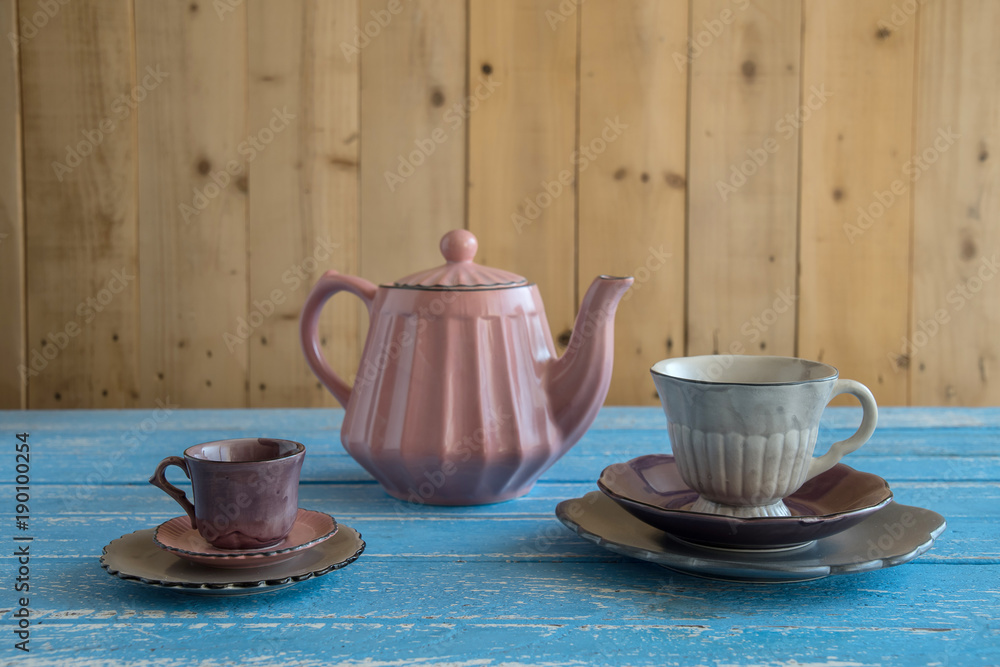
(192, 209)
(303, 192)
(855, 215)
(956, 207)
(12, 324)
(525, 66)
(632, 196)
(81, 167)
(782, 177)
(744, 159)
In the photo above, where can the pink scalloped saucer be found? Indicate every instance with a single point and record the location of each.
(179, 538)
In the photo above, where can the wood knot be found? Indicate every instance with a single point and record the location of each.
(675, 180)
(437, 98)
(969, 249)
(883, 33)
(203, 166)
(749, 69)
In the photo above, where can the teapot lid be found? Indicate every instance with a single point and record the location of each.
(460, 272)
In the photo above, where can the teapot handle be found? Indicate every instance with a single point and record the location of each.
(329, 284)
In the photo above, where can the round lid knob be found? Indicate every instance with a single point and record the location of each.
(459, 245)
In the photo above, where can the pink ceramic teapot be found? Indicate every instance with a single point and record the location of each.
(460, 398)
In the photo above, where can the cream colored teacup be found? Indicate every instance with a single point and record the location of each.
(743, 428)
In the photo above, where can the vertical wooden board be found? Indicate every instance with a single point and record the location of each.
(412, 185)
(631, 201)
(194, 145)
(952, 351)
(13, 390)
(522, 136)
(854, 274)
(303, 192)
(80, 205)
(744, 159)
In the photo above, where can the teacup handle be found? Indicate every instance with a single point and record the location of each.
(839, 450)
(159, 479)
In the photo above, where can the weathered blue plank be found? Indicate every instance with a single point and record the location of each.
(500, 583)
(93, 464)
(969, 499)
(69, 518)
(114, 457)
(555, 613)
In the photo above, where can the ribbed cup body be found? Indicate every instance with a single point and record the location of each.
(743, 447)
(736, 469)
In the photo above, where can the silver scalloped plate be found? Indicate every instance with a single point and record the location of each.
(135, 557)
(891, 536)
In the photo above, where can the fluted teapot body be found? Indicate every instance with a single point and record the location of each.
(460, 398)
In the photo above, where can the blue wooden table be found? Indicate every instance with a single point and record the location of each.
(500, 584)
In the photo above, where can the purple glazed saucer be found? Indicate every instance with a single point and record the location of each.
(651, 489)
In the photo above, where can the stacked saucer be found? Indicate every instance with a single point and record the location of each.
(842, 521)
(176, 556)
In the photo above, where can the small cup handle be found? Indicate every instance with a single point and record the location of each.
(839, 450)
(159, 479)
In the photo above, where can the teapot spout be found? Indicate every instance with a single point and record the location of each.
(578, 382)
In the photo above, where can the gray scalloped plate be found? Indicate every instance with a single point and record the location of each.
(891, 536)
(135, 557)
(651, 488)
